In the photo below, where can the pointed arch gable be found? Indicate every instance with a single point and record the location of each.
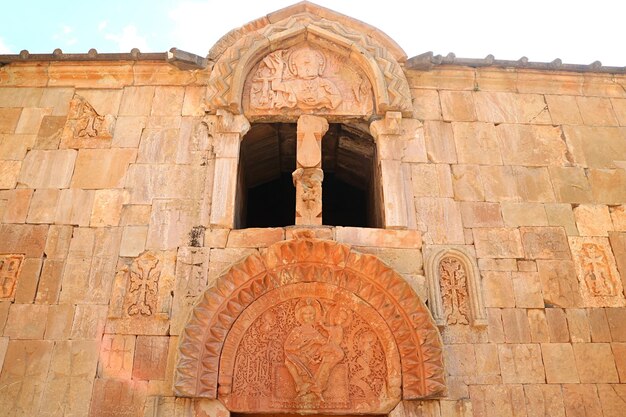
(316, 262)
(239, 51)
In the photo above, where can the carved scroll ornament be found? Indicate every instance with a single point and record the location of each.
(293, 322)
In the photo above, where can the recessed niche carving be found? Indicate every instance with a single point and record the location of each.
(303, 78)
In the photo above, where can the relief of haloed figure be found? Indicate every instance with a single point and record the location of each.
(310, 356)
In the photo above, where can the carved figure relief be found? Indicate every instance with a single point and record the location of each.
(9, 273)
(454, 290)
(599, 281)
(85, 127)
(302, 79)
(143, 286)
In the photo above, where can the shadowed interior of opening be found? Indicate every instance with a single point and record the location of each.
(266, 194)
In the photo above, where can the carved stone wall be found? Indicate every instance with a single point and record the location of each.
(326, 276)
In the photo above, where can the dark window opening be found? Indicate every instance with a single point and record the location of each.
(266, 195)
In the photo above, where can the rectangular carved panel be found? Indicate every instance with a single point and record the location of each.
(10, 266)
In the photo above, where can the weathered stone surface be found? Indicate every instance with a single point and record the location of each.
(606, 185)
(114, 397)
(151, 353)
(74, 207)
(613, 399)
(148, 182)
(527, 290)
(29, 240)
(596, 147)
(560, 366)
(545, 243)
(600, 283)
(26, 321)
(557, 325)
(500, 107)
(426, 104)
(593, 219)
(9, 172)
(476, 143)
(499, 183)
(498, 400)
(56, 98)
(564, 110)
(14, 147)
(515, 325)
(102, 168)
(439, 140)
(254, 237)
(524, 214)
(521, 363)
(191, 279)
(467, 183)
(116, 356)
(43, 206)
(533, 184)
(481, 214)
(128, 131)
(8, 119)
(30, 120)
(595, 363)
(570, 184)
(617, 323)
(539, 331)
(171, 223)
(498, 243)
(581, 400)
(26, 286)
(88, 322)
(107, 207)
(596, 111)
(48, 169)
(561, 215)
(440, 219)
(578, 325)
(458, 106)
(559, 283)
(133, 240)
(17, 205)
(531, 145)
(599, 325)
(136, 101)
(59, 324)
(498, 289)
(544, 400)
(619, 352)
(378, 237)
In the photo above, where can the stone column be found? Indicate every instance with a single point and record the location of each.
(388, 133)
(308, 176)
(228, 131)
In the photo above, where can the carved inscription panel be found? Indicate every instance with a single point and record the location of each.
(9, 272)
(453, 277)
(305, 79)
(310, 351)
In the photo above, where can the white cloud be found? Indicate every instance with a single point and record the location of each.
(102, 25)
(128, 39)
(4, 48)
(67, 29)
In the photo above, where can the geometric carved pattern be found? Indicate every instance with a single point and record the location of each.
(236, 59)
(204, 359)
(454, 289)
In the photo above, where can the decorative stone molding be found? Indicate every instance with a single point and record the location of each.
(372, 52)
(330, 274)
(455, 295)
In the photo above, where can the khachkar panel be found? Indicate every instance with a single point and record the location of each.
(455, 296)
(10, 266)
(304, 79)
(310, 346)
(256, 325)
(599, 281)
(85, 127)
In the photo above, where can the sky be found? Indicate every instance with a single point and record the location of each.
(576, 31)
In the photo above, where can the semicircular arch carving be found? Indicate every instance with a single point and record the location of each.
(310, 269)
(235, 58)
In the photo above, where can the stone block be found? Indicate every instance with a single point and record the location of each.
(359, 236)
(560, 366)
(30, 120)
(150, 362)
(457, 106)
(58, 242)
(492, 79)
(612, 399)
(581, 400)
(9, 118)
(135, 215)
(171, 223)
(481, 214)
(545, 243)
(617, 323)
(599, 325)
(476, 143)
(133, 240)
(439, 139)
(167, 101)
(544, 400)
(494, 327)
(18, 202)
(618, 217)
(497, 242)
(116, 356)
(440, 219)
(607, 185)
(74, 207)
(593, 219)
(497, 264)
(4, 344)
(619, 352)
(431, 180)
(128, 131)
(29, 240)
(596, 111)
(578, 325)
(562, 215)
(107, 207)
(88, 322)
(28, 280)
(58, 99)
(619, 107)
(50, 282)
(595, 363)
(118, 397)
(404, 261)
(531, 145)
(102, 168)
(217, 238)
(426, 104)
(104, 101)
(158, 146)
(533, 184)
(59, 323)
(570, 184)
(148, 182)
(557, 325)
(466, 183)
(527, 290)
(524, 214)
(559, 283)
(515, 324)
(596, 147)
(498, 289)
(521, 364)
(9, 172)
(498, 400)
(137, 101)
(618, 244)
(526, 266)
(26, 321)
(43, 206)
(23, 376)
(539, 330)
(499, 183)
(14, 147)
(4, 312)
(564, 110)
(21, 96)
(502, 107)
(193, 102)
(600, 283)
(48, 169)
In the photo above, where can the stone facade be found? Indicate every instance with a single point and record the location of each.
(127, 290)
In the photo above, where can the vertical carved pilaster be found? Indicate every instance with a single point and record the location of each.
(308, 176)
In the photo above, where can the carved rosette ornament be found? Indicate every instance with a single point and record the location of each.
(310, 326)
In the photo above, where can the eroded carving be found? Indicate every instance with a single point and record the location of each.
(85, 127)
(304, 78)
(227, 311)
(10, 266)
(454, 290)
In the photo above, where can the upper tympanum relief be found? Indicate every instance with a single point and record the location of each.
(303, 79)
